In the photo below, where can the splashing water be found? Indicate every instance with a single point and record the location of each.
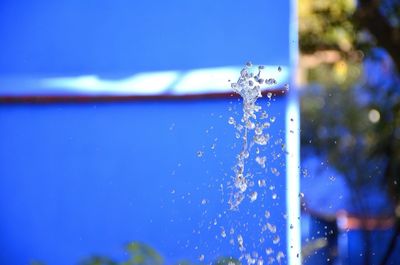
(249, 129)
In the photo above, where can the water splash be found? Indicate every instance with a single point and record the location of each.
(249, 129)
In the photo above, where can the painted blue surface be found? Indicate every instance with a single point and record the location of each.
(80, 179)
(355, 249)
(88, 178)
(122, 37)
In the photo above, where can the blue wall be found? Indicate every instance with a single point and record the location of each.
(79, 179)
(87, 178)
(124, 36)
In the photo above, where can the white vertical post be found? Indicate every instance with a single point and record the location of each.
(293, 147)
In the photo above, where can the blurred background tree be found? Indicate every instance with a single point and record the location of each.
(350, 107)
(352, 113)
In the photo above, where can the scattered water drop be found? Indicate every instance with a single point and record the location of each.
(264, 115)
(223, 233)
(269, 251)
(274, 196)
(253, 196)
(279, 68)
(261, 183)
(275, 171)
(271, 228)
(280, 256)
(267, 214)
(231, 120)
(266, 125)
(286, 86)
(276, 239)
(203, 201)
(261, 161)
(261, 139)
(201, 258)
(240, 242)
(200, 153)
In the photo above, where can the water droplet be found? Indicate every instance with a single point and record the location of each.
(203, 201)
(274, 196)
(276, 239)
(213, 146)
(279, 256)
(241, 182)
(269, 95)
(250, 125)
(243, 73)
(279, 68)
(200, 153)
(261, 161)
(269, 251)
(301, 195)
(272, 119)
(291, 226)
(261, 139)
(271, 228)
(266, 125)
(261, 183)
(267, 214)
(239, 127)
(249, 64)
(245, 154)
(275, 171)
(264, 115)
(253, 196)
(231, 120)
(201, 258)
(223, 233)
(240, 240)
(258, 130)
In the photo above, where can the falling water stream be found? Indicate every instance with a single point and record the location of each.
(252, 129)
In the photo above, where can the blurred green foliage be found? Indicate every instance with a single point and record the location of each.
(142, 254)
(361, 138)
(326, 24)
